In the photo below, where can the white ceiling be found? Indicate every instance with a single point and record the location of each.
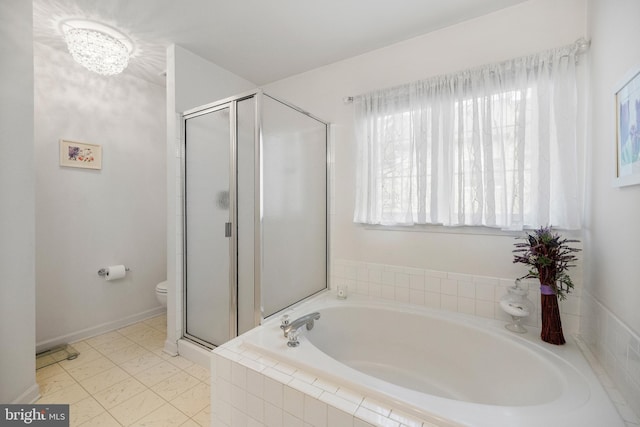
(259, 40)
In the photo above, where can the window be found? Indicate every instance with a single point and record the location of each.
(497, 146)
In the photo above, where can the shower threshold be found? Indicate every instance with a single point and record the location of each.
(55, 355)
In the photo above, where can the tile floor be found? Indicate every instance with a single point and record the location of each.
(122, 378)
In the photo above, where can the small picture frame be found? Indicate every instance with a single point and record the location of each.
(80, 155)
(627, 97)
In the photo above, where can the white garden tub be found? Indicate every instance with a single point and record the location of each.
(445, 368)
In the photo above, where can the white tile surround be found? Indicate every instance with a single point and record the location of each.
(252, 390)
(617, 349)
(249, 389)
(464, 293)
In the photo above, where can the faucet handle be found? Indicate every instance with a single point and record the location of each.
(293, 338)
(284, 322)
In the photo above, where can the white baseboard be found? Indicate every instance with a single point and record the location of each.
(171, 348)
(30, 395)
(195, 353)
(98, 329)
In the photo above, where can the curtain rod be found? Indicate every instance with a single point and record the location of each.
(581, 46)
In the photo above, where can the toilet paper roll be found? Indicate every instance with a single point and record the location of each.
(115, 272)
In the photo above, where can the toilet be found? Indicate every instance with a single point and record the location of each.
(161, 293)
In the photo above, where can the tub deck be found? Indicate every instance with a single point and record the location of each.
(256, 377)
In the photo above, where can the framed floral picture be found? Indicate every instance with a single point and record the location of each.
(627, 95)
(80, 155)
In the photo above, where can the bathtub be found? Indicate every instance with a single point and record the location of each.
(442, 368)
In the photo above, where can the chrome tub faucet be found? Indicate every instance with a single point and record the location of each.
(291, 328)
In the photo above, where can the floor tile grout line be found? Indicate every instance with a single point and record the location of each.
(97, 401)
(166, 402)
(90, 395)
(108, 358)
(150, 348)
(149, 388)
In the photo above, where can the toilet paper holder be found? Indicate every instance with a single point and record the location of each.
(104, 272)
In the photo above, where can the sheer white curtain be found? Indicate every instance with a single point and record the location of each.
(495, 146)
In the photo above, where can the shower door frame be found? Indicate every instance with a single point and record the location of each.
(260, 95)
(233, 273)
(231, 103)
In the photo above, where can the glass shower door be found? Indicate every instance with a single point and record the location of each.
(294, 206)
(209, 295)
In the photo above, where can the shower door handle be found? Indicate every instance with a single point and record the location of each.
(227, 229)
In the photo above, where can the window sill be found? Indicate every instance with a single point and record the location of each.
(463, 230)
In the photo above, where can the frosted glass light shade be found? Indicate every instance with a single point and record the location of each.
(97, 51)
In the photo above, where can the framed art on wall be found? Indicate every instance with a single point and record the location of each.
(80, 155)
(627, 95)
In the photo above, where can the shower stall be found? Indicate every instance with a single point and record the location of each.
(255, 186)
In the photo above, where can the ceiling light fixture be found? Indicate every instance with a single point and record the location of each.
(97, 47)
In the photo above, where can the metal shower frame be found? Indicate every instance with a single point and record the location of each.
(231, 103)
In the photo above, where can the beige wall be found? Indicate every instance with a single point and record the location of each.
(527, 28)
(613, 226)
(610, 315)
(17, 223)
(90, 219)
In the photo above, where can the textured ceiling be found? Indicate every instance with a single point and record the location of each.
(259, 40)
